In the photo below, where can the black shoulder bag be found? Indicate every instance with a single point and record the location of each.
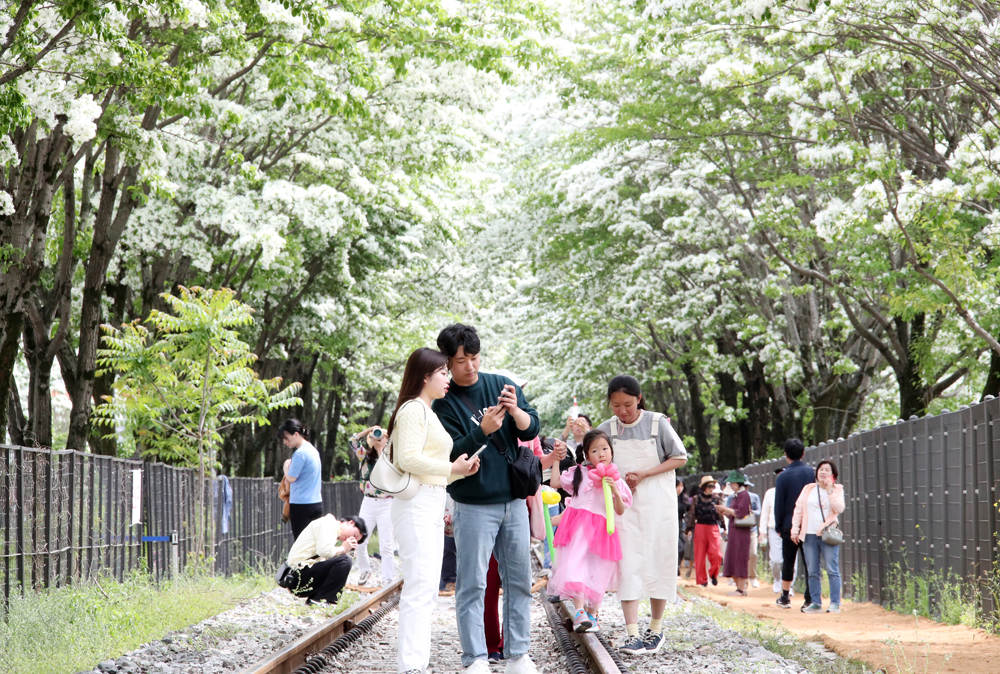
(525, 471)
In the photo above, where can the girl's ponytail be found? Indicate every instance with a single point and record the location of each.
(578, 477)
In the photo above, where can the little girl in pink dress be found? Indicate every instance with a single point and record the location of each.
(586, 564)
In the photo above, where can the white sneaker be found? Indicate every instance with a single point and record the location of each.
(731, 581)
(478, 667)
(776, 587)
(754, 583)
(521, 665)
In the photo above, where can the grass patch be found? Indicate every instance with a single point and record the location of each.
(776, 639)
(69, 629)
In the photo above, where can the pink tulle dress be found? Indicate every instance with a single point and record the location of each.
(586, 565)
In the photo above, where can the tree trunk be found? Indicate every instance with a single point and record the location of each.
(992, 385)
(109, 226)
(699, 426)
(729, 431)
(10, 339)
(40, 393)
(16, 415)
(33, 184)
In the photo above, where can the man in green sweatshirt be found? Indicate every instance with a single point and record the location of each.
(488, 520)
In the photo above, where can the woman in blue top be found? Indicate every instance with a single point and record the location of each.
(304, 472)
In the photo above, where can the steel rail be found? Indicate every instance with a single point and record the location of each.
(294, 655)
(597, 652)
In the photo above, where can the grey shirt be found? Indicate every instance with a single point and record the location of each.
(668, 443)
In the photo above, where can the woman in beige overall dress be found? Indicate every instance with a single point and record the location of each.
(647, 452)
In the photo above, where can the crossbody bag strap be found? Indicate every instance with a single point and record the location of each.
(821, 513)
(427, 430)
(493, 437)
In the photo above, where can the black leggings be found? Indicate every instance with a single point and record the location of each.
(323, 581)
(301, 514)
(789, 551)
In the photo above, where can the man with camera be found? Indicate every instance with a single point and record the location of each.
(376, 507)
(320, 559)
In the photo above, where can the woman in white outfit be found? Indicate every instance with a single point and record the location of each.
(375, 507)
(647, 452)
(421, 447)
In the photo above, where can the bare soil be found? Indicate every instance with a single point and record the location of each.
(884, 640)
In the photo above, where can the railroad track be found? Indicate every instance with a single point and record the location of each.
(312, 651)
(316, 650)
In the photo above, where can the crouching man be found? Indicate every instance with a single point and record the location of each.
(320, 560)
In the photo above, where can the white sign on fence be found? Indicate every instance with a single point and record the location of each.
(137, 496)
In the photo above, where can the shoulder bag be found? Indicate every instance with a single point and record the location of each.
(831, 533)
(387, 478)
(525, 470)
(748, 522)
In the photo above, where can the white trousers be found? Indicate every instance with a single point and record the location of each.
(377, 514)
(419, 527)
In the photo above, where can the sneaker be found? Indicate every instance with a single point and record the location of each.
(363, 578)
(783, 602)
(595, 624)
(805, 606)
(554, 599)
(834, 608)
(581, 621)
(754, 583)
(715, 580)
(634, 646)
(521, 665)
(731, 582)
(447, 591)
(812, 608)
(495, 657)
(652, 641)
(776, 587)
(703, 584)
(477, 667)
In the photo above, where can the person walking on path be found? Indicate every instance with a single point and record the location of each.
(755, 509)
(770, 537)
(647, 452)
(703, 521)
(376, 507)
(736, 563)
(484, 410)
(787, 489)
(304, 473)
(817, 508)
(422, 447)
(587, 563)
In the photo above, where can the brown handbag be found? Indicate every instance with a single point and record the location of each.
(284, 493)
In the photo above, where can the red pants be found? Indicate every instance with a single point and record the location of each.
(491, 612)
(707, 541)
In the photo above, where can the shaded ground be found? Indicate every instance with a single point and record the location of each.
(883, 639)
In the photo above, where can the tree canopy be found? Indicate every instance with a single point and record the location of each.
(780, 216)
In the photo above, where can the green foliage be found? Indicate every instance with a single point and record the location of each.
(187, 377)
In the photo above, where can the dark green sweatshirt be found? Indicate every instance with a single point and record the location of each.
(491, 484)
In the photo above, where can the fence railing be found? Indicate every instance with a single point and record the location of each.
(921, 497)
(70, 516)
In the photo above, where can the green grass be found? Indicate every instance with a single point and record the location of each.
(935, 595)
(776, 639)
(69, 629)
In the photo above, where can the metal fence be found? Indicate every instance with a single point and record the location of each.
(921, 498)
(68, 516)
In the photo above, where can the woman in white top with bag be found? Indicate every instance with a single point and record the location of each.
(419, 445)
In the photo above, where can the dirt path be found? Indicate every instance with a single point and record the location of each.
(883, 639)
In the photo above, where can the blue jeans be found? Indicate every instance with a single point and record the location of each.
(480, 531)
(813, 546)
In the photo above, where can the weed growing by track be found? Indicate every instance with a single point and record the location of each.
(70, 629)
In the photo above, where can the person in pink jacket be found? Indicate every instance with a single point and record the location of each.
(817, 508)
